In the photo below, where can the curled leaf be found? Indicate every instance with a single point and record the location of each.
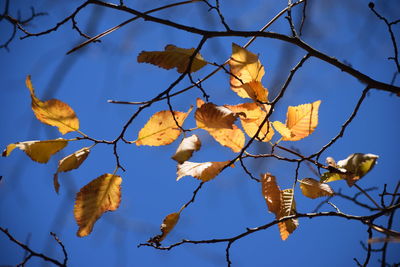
(161, 129)
(186, 148)
(168, 224)
(301, 121)
(313, 189)
(70, 162)
(173, 57)
(203, 171)
(39, 151)
(245, 69)
(271, 193)
(288, 208)
(53, 112)
(97, 197)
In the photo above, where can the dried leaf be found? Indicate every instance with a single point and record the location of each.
(271, 193)
(245, 68)
(161, 128)
(330, 177)
(173, 57)
(168, 224)
(186, 148)
(301, 121)
(70, 162)
(246, 110)
(288, 208)
(99, 196)
(256, 91)
(53, 112)
(218, 122)
(39, 151)
(203, 171)
(313, 189)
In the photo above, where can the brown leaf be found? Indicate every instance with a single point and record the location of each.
(99, 196)
(271, 193)
(173, 57)
(203, 171)
(210, 115)
(53, 112)
(288, 208)
(168, 224)
(313, 189)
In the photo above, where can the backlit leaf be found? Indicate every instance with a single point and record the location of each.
(246, 110)
(288, 208)
(203, 171)
(218, 122)
(271, 193)
(313, 189)
(99, 196)
(301, 121)
(161, 128)
(39, 151)
(53, 112)
(186, 148)
(330, 177)
(70, 162)
(245, 68)
(173, 57)
(168, 224)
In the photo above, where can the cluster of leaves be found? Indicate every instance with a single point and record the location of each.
(164, 127)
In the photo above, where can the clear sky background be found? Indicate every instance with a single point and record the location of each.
(30, 208)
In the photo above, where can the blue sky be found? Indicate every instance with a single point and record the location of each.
(224, 207)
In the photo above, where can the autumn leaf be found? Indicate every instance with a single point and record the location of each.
(203, 171)
(39, 151)
(301, 121)
(99, 196)
(70, 162)
(168, 224)
(186, 148)
(251, 116)
(271, 193)
(288, 208)
(247, 72)
(53, 112)
(173, 57)
(351, 169)
(218, 122)
(161, 128)
(313, 189)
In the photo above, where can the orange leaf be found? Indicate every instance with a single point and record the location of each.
(161, 128)
(301, 121)
(168, 224)
(173, 57)
(233, 138)
(288, 208)
(53, 112)
(271, 193)
(245, 68)
(203, 171)
(312, 188)
(99, 196)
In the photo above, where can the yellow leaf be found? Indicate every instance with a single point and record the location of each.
(100, 195)
(173, 57)
(186, 148)
(245, 68)
(39, 151)
(168, 224)
(70, 162)
(203, 171)
(256, 91)
(218, 122)
(288, 208)
(53, 112)
(271, 193)
(161, 128)
(313, 189)
(210, 115)
(233, 138)
(251, 117)
(301, 121)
